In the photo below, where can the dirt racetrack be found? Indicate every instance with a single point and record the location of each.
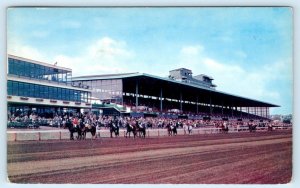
(243, 158)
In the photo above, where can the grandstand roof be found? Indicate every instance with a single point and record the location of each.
(151, 85)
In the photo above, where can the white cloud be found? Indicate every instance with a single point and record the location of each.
(105, 56)
(108, 48)
(192, 50)
(16, 48)
(233, 78)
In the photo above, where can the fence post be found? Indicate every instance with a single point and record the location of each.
(148, 133)
(15, 136)
(39, 135)
(60, 135)
(124, 133)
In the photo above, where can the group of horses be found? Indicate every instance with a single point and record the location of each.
(135, 128)
(82, 128)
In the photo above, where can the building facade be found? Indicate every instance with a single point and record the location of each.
(141, 92)
(186, 76)
(34, 86)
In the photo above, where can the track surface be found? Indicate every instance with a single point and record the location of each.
(243, 158)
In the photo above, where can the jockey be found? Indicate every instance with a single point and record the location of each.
(75, 122)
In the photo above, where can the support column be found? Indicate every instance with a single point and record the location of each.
(210, 109)
(197, 105)
(161, 104)
(241, 111)
(180, 101)
(222, 108)
(248, 112)
(136, 94)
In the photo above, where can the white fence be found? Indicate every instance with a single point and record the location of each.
(20, 135)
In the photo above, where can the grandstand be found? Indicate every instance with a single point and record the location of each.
(180, 95)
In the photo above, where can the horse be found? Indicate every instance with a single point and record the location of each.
(141, 129)
(224, 129)
(129, 129)
(270, 127)
(89, 128)
(73, 129)
(252, 127)
(172, 130)
(113, 127)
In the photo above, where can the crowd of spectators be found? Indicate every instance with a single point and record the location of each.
(150, 122)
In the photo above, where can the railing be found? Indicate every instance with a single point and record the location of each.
(56, 82)
(61, 134)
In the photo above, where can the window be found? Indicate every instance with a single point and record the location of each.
(9, 87)
(21, 89)
(59, 96)
(26, 90)
(46, 92)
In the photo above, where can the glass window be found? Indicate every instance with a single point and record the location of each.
(42, 91)
(68, 94)
(9, 87)
(55, 94)
(32, 71)
(21, 89)
(31, 90)
(46, 92)
(21, 68)
(26, 69)
(26, 90)
(72, 95)
(11, 66)
(59, 96)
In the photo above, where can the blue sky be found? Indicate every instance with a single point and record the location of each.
(248, 51)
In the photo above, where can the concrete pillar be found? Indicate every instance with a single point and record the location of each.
(210, 109)
(197, 105)
(248, 112)
(161, 103)
(241, 111)
(136, 94)
(180, 101)
(222, 108)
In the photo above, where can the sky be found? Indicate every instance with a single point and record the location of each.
(248, 51)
